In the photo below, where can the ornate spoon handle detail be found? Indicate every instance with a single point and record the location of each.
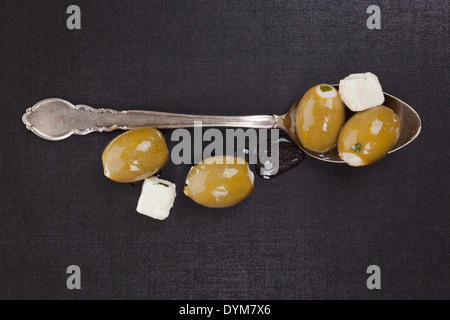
(57, 119)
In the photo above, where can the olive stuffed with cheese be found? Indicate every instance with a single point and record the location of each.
(319, 117)
(368, 136)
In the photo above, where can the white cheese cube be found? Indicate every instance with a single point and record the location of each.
(361, 91)
(157, 198)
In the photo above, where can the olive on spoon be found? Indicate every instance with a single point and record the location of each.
(57, 119)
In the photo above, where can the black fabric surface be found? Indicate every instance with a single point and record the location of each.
(308, 234)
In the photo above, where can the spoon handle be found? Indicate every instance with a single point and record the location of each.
(57, 119)
(140, 118)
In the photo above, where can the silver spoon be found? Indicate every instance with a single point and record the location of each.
(56, 119)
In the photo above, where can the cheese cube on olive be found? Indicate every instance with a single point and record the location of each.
(157, 198)
(361, 91)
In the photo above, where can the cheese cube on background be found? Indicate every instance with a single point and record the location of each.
(361, 91)
(157, 198)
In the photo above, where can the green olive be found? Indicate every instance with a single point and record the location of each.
(219, 182)
(319, 117)
(368, 136)
(135, 155)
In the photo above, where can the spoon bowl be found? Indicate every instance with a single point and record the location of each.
(410, 124)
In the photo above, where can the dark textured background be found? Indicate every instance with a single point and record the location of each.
(307, 234)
